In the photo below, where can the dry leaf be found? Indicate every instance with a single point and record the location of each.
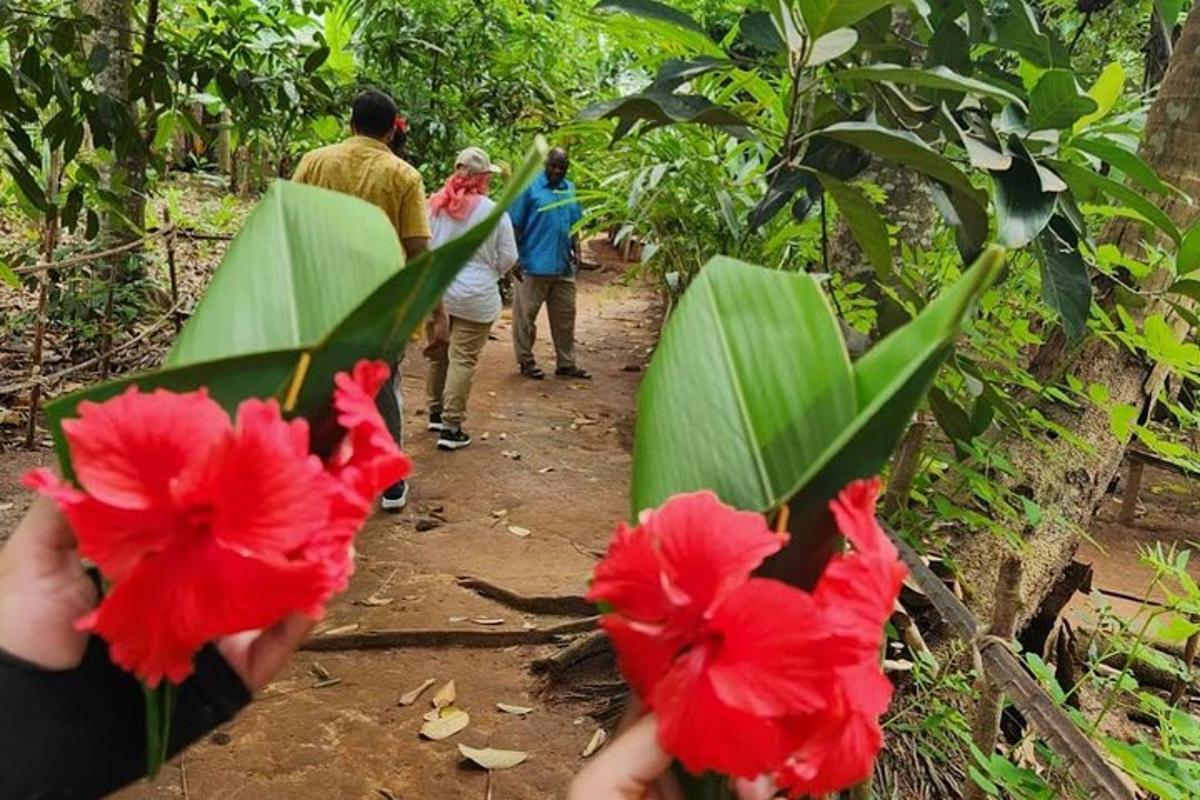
(511, 709)
(490, 758)
(430, 716)
(446, 725)
(446, 695)
(498, 415)
(319, 672)
(408, 698)
(597, 741)
(375, 601)
(500, 513)
(581, 421)
(488, 620)
(545, 470)
(518, 531)
(341, 629)
(5, 506)
(529, 626)
(458, 619)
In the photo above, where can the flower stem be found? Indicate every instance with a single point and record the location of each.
(160, 710)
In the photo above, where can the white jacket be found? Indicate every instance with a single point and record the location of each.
(474, 295)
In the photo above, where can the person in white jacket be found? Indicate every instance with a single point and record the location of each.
(473, 300)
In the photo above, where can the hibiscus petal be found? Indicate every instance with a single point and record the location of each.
(839, 753)
(267, 496)
(854, 510)
(630, 577)
(642, 656)
(114, 538)
(707, 734)
(367, 445)
(126, 450)
(176, 601)
(857, 594)
(775, 658)
(708, 548)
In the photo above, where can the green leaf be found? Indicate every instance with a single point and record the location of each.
(1105, 91)
(756, 358)
(759, 29)
(868, 227)
(981, 154)
(1188, 258)
(1169, 11)
(315, 59)
(822, 16)
(775, 387)
(1066, 286)
(1082, 180)
(1126, 161)
(649, 9)
(676, 71)
(291, 275)
(902, 147)
(937, 77)
(1188, 287)
(27, 185)
(1022, 207)
(8, 276)
(1056, 101)
(951, 418)
(662, 108)
(832, 45)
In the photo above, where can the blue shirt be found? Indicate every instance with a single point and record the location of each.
(544, 216)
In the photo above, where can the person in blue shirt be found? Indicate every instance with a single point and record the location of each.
(544, 218)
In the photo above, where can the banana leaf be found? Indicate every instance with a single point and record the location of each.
(355, 244)
(751, 394)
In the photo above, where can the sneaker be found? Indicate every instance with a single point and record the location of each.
(453, 439)
(395, 497)
(435, 424)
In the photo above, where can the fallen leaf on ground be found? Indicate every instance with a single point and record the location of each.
(488, 620)
(597, 741)
(485, 436)
(529, 626)
(446, 725)
(341, 629)
(375, 601)
(584, 421)
(500, 513)
(410, 697)
(516, 530)
(511, 709)
(446, 695)
(504, 437)
(5, 506)
(545, 470)
(319, 672)
(458, 619)
(491, 758)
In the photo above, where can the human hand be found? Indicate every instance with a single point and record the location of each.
(258, 656)
(44, 589)
(518, 274)
(633, 767)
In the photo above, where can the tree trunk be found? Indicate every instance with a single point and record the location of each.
(115, 32)
(1065, 481)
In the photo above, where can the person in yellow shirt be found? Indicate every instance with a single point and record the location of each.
(365, 166)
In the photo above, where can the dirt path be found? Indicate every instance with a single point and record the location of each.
(569, 486)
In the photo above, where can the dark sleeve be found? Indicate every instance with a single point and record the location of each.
(81, 734)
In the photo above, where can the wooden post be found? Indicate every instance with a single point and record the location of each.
(171, 270)
(904, 468)
(1133, 488)
(49, 243)
(1189, 658)
(986, 725)
(106, 340)
(224, 153)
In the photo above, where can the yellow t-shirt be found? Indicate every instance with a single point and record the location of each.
(366, 168)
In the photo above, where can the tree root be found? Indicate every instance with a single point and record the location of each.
(551, 606)
(386, 640)
(582, 649)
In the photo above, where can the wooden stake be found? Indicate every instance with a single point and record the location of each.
(904, 468)
(175, 318)
(50, 242)
(1189, 658)
(986, 725)
(1133, 488)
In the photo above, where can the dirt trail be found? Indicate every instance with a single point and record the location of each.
(569, 486)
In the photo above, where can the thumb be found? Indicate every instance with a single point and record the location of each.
(627, 768)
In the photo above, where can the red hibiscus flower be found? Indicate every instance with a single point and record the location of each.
(751, 676)
(205, 527)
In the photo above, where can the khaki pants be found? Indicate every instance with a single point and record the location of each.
(558, 294)
(451, 373)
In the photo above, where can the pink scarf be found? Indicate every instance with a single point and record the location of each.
(459, 196)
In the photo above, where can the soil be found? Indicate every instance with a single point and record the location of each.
(567, 489)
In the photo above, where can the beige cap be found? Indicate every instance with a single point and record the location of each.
(476, 161)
